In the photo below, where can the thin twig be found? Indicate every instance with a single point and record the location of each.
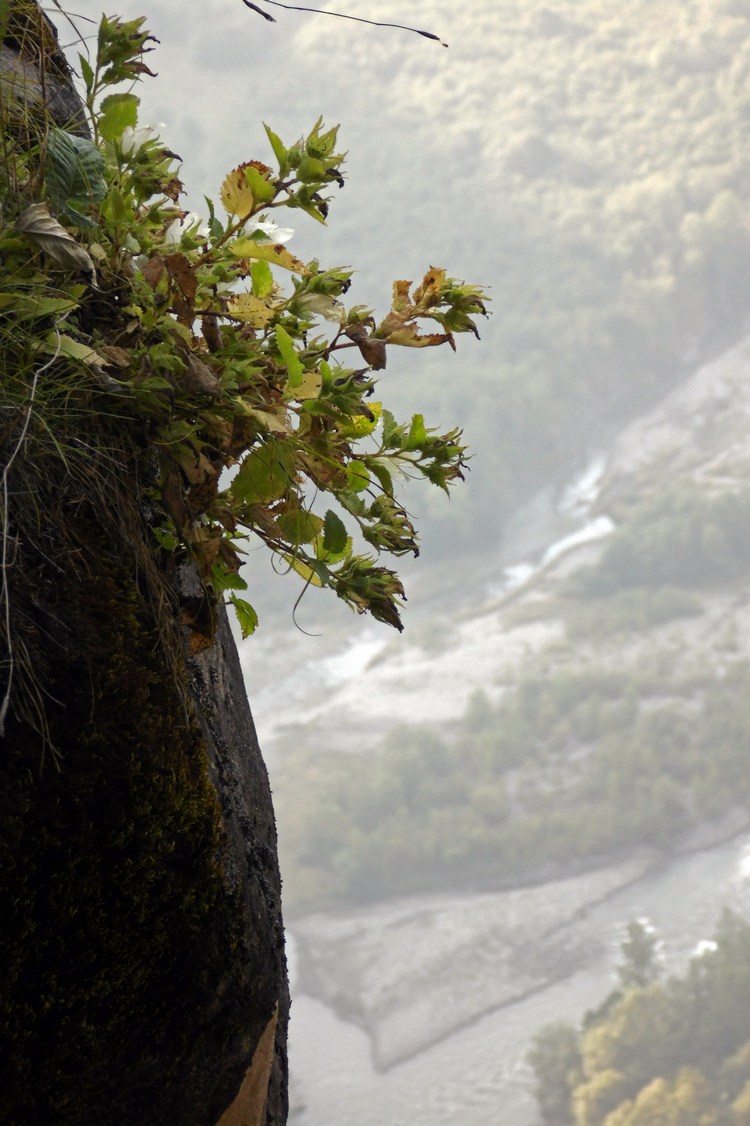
(340, 16)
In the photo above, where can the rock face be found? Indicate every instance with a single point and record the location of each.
(142, 950)
(142, 968)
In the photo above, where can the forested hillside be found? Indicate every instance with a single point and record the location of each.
(622, 157)
(599, 184)
(676, 1051)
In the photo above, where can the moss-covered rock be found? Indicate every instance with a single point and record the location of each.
(141, 948)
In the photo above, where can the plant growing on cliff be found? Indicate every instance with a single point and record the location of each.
(116, 302)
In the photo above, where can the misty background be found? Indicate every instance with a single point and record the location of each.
(473, 813)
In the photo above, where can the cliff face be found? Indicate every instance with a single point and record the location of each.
(142, 964)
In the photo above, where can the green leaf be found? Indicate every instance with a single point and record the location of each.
(289, 355)
(222, 578)
(279, 150)
(334, 533)
(357, 476)
(86, 72)
(311, 170)
(60, 344)
(417, 433)
(118, 112)
(262, 188)
(26, 306)
(379, 468)
(266, 474)
(394, 434)
(215, 228)
(246, 615)
(166, 539)
(74, 169)
(262, 278)
(299, 526)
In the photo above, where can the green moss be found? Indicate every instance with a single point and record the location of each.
(111, 887)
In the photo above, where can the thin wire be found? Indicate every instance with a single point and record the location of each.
(339, 15)
(4, 587)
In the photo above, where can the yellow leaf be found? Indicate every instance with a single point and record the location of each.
(401, 299)
(428, 292)
(302, 569)
(308, 388)
(253, 310)
(408, 336)
(359, 425)
(236, 194)
(274, 423)
(271, 252)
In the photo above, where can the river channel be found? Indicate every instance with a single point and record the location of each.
(477, 1076)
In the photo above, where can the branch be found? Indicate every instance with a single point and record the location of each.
(340, 16)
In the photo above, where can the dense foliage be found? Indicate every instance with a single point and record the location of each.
(116, 304)
(568, 769)
(672, 1052)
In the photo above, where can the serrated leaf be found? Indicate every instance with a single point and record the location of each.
(223, 578)
(335, 536)
(261, 278)
(360, 425)
(275, 422)
(250, 309)
(118, 112)
(246, 188)
(298, 526)
(48, 235)
(236, 194)
(379, 467)
(357, 475)
(266, 474)
(394, 433)
(166, 538)
(87, 72)
(215, 229)
(247, 618)
(258, 182)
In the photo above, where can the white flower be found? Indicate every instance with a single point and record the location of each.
(269, 231)
(191, 224)
(133, 139)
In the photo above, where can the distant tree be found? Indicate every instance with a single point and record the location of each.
(555, 1058)
(594, 1099)
(641, 962)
